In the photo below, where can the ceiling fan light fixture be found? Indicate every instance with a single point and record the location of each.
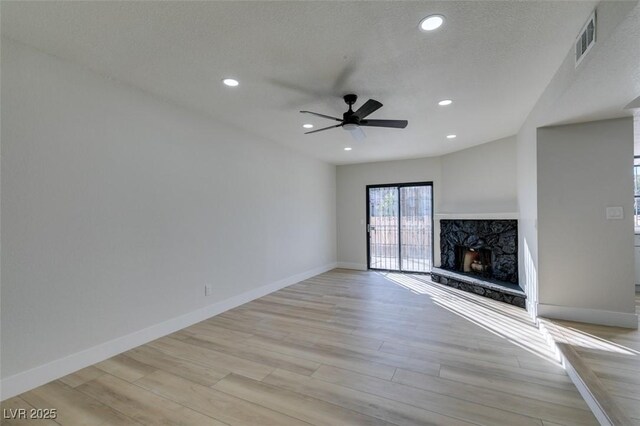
(308, 126)
(431, 22)
(445, 102)
(231, 82)
(350, 126)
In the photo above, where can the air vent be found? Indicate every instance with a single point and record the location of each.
(586, 39)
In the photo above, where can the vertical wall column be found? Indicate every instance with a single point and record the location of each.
(585, 260)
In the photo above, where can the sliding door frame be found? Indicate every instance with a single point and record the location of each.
(399, 206)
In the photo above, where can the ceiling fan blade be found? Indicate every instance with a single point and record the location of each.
(397, 124)
(367, 108)
(321, 115)
(324, 128)
(358, 134)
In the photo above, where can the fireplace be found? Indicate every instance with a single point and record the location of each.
(480, 256)
(495, 243)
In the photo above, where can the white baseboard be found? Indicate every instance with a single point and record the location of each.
(27, 380)
(591, 316)
(350, 265)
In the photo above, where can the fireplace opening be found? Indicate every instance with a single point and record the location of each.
(477, 261)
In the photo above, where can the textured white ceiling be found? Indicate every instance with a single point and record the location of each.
(493, 59)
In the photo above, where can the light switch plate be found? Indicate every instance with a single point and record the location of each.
(615, 213)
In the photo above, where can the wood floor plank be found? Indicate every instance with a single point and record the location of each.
(513, 384)
(553, 404)
(209, 358)
(540, 364)
(142, 405)
(386, 409)
(214, 332)
(627, 390)
(353, 352)
(275, 328)
(196, 373)
(616, 375)
(606, 361)
(299, 406)
(630, 406)
(270, 358)
(82, 376)
(74, 408)
(281, 298)
(428, 400)
(325, 357)
(448, 350)
(254, 327)
(292, 320)
(219, 405)
(334, 338)
(125, 368)
(549, 378)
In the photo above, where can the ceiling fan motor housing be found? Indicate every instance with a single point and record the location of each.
(350, 99)
(350, 120)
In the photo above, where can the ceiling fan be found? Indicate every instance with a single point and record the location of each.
(352, 121)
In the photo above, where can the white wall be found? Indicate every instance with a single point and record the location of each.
(604, 82)
(477, 180)
(585, 260)
(117, 208)
(351, 206)
(480, 179)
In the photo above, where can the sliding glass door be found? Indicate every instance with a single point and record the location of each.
(383, 227)
(400, 227)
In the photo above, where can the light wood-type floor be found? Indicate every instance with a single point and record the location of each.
(342, 348)
(608, 360)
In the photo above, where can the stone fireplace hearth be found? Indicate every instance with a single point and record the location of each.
(481, 256)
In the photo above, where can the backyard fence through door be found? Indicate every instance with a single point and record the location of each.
(400, 227)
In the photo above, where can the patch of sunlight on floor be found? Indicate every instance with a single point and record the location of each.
(575, 337)
(508, 322)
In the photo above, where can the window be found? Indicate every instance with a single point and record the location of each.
(636, 187)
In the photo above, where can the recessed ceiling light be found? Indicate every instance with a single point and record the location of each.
(431, 22)
(230, 82)
(445, 102)
(348, 148)
(451, 136)
(308, 126)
